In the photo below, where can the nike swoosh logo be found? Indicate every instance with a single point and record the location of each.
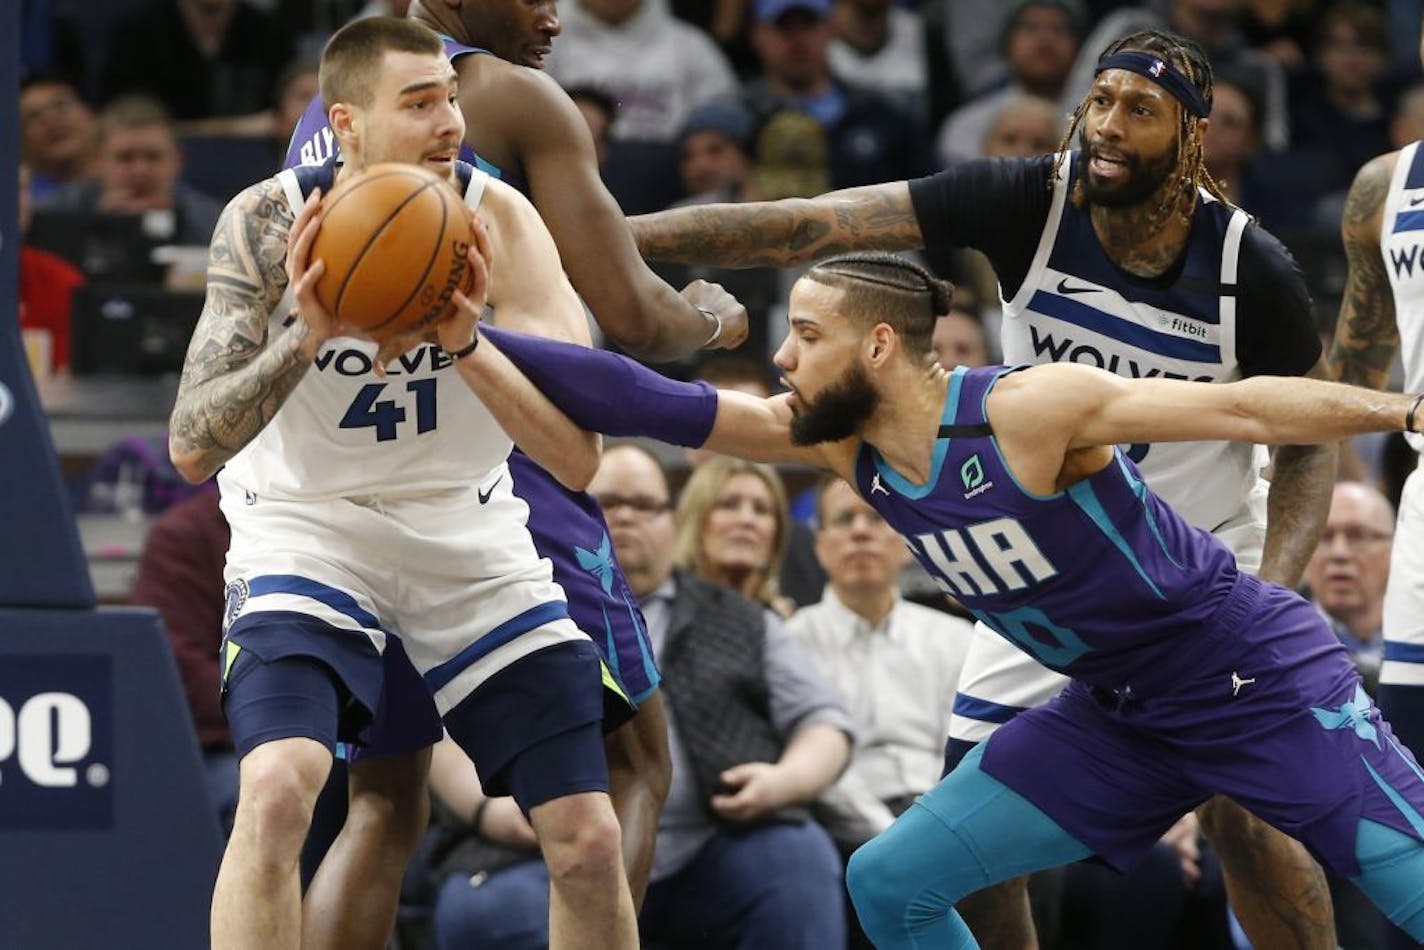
(1063, 288)
(1414, 202)
(485, 495)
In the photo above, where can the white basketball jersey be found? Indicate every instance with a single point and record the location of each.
(345, 432)
(1402, 242)
(1075, 306)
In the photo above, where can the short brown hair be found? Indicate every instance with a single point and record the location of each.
(134, 111)
(353, 55)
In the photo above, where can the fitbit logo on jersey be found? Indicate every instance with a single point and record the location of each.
(56, 742)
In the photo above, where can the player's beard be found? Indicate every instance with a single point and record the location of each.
(1145, 178)
(839, 411)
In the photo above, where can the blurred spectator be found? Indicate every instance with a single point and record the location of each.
(491, 887)
(1024, 125)
(50, 43)
(1230, 148)
(296, 87)
(181, 573)
(755, 737)
(814, 131)
(894, 664)
(959, 338)
(1340, 109)
(138, 173)
(714, 157)
(1280, 28)
(47, 285)
(1216, 25)
(59, 136)
(599, 112)
(1040, 43)
(201, 58)
(655, 67)
(971, 34)
(1347, 573)
(732, 528)
(880, 45)
(1408, 123)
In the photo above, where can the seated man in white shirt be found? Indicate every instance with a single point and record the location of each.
(894, 663)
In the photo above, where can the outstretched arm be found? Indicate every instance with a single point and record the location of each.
(614, 395)
(631, 303)
(1094, 407)
(234, 380)
(783, 233)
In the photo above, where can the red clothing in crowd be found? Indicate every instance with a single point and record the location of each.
(181, 573)
(47, 285)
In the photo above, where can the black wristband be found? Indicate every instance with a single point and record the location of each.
(465, 351)
(1409, 416)
(479, 813)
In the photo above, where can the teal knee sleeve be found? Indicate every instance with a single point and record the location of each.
(1392, 875)
(968, 832)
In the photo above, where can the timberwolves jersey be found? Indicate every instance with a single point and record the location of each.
(313, 142)
(567, 526)
(1094, 582)
(1401, 240)
(345, 432)
(1076, 306)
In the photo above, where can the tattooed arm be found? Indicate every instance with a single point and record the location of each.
(783, 233)
(234, 379)
(1366, 335)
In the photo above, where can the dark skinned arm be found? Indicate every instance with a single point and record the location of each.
(1366, 335)
(1302, 479)
(554, 150)
(783, 233)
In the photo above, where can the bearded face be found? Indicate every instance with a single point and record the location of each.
(838, 412)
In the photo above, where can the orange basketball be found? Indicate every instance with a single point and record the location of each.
(394, 239)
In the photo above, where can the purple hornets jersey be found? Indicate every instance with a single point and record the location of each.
(568, 527)
(1099, 582)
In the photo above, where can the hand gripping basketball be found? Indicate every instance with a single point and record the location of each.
(303, 274)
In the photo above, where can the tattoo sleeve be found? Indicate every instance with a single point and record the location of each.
(1366, 335)
(233, 381)
(1302, 479)
(782, 233)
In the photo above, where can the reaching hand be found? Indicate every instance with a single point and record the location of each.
(731, 316)
(754, 792)
(303, 273)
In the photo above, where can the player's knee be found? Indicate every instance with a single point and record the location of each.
(279, 786)
(879, 897)
(581, 841)
(397, 822)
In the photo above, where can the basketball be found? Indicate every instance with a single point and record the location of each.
(394, 239)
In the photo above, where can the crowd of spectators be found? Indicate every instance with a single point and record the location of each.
(783, 613)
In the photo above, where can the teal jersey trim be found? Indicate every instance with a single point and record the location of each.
(1084, 497)
(900, 483)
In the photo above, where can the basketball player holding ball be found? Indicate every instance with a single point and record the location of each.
(378, 557)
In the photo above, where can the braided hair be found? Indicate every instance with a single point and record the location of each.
(1188, 58)
(883, 287)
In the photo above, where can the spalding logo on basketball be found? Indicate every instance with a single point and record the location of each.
(394, 239)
